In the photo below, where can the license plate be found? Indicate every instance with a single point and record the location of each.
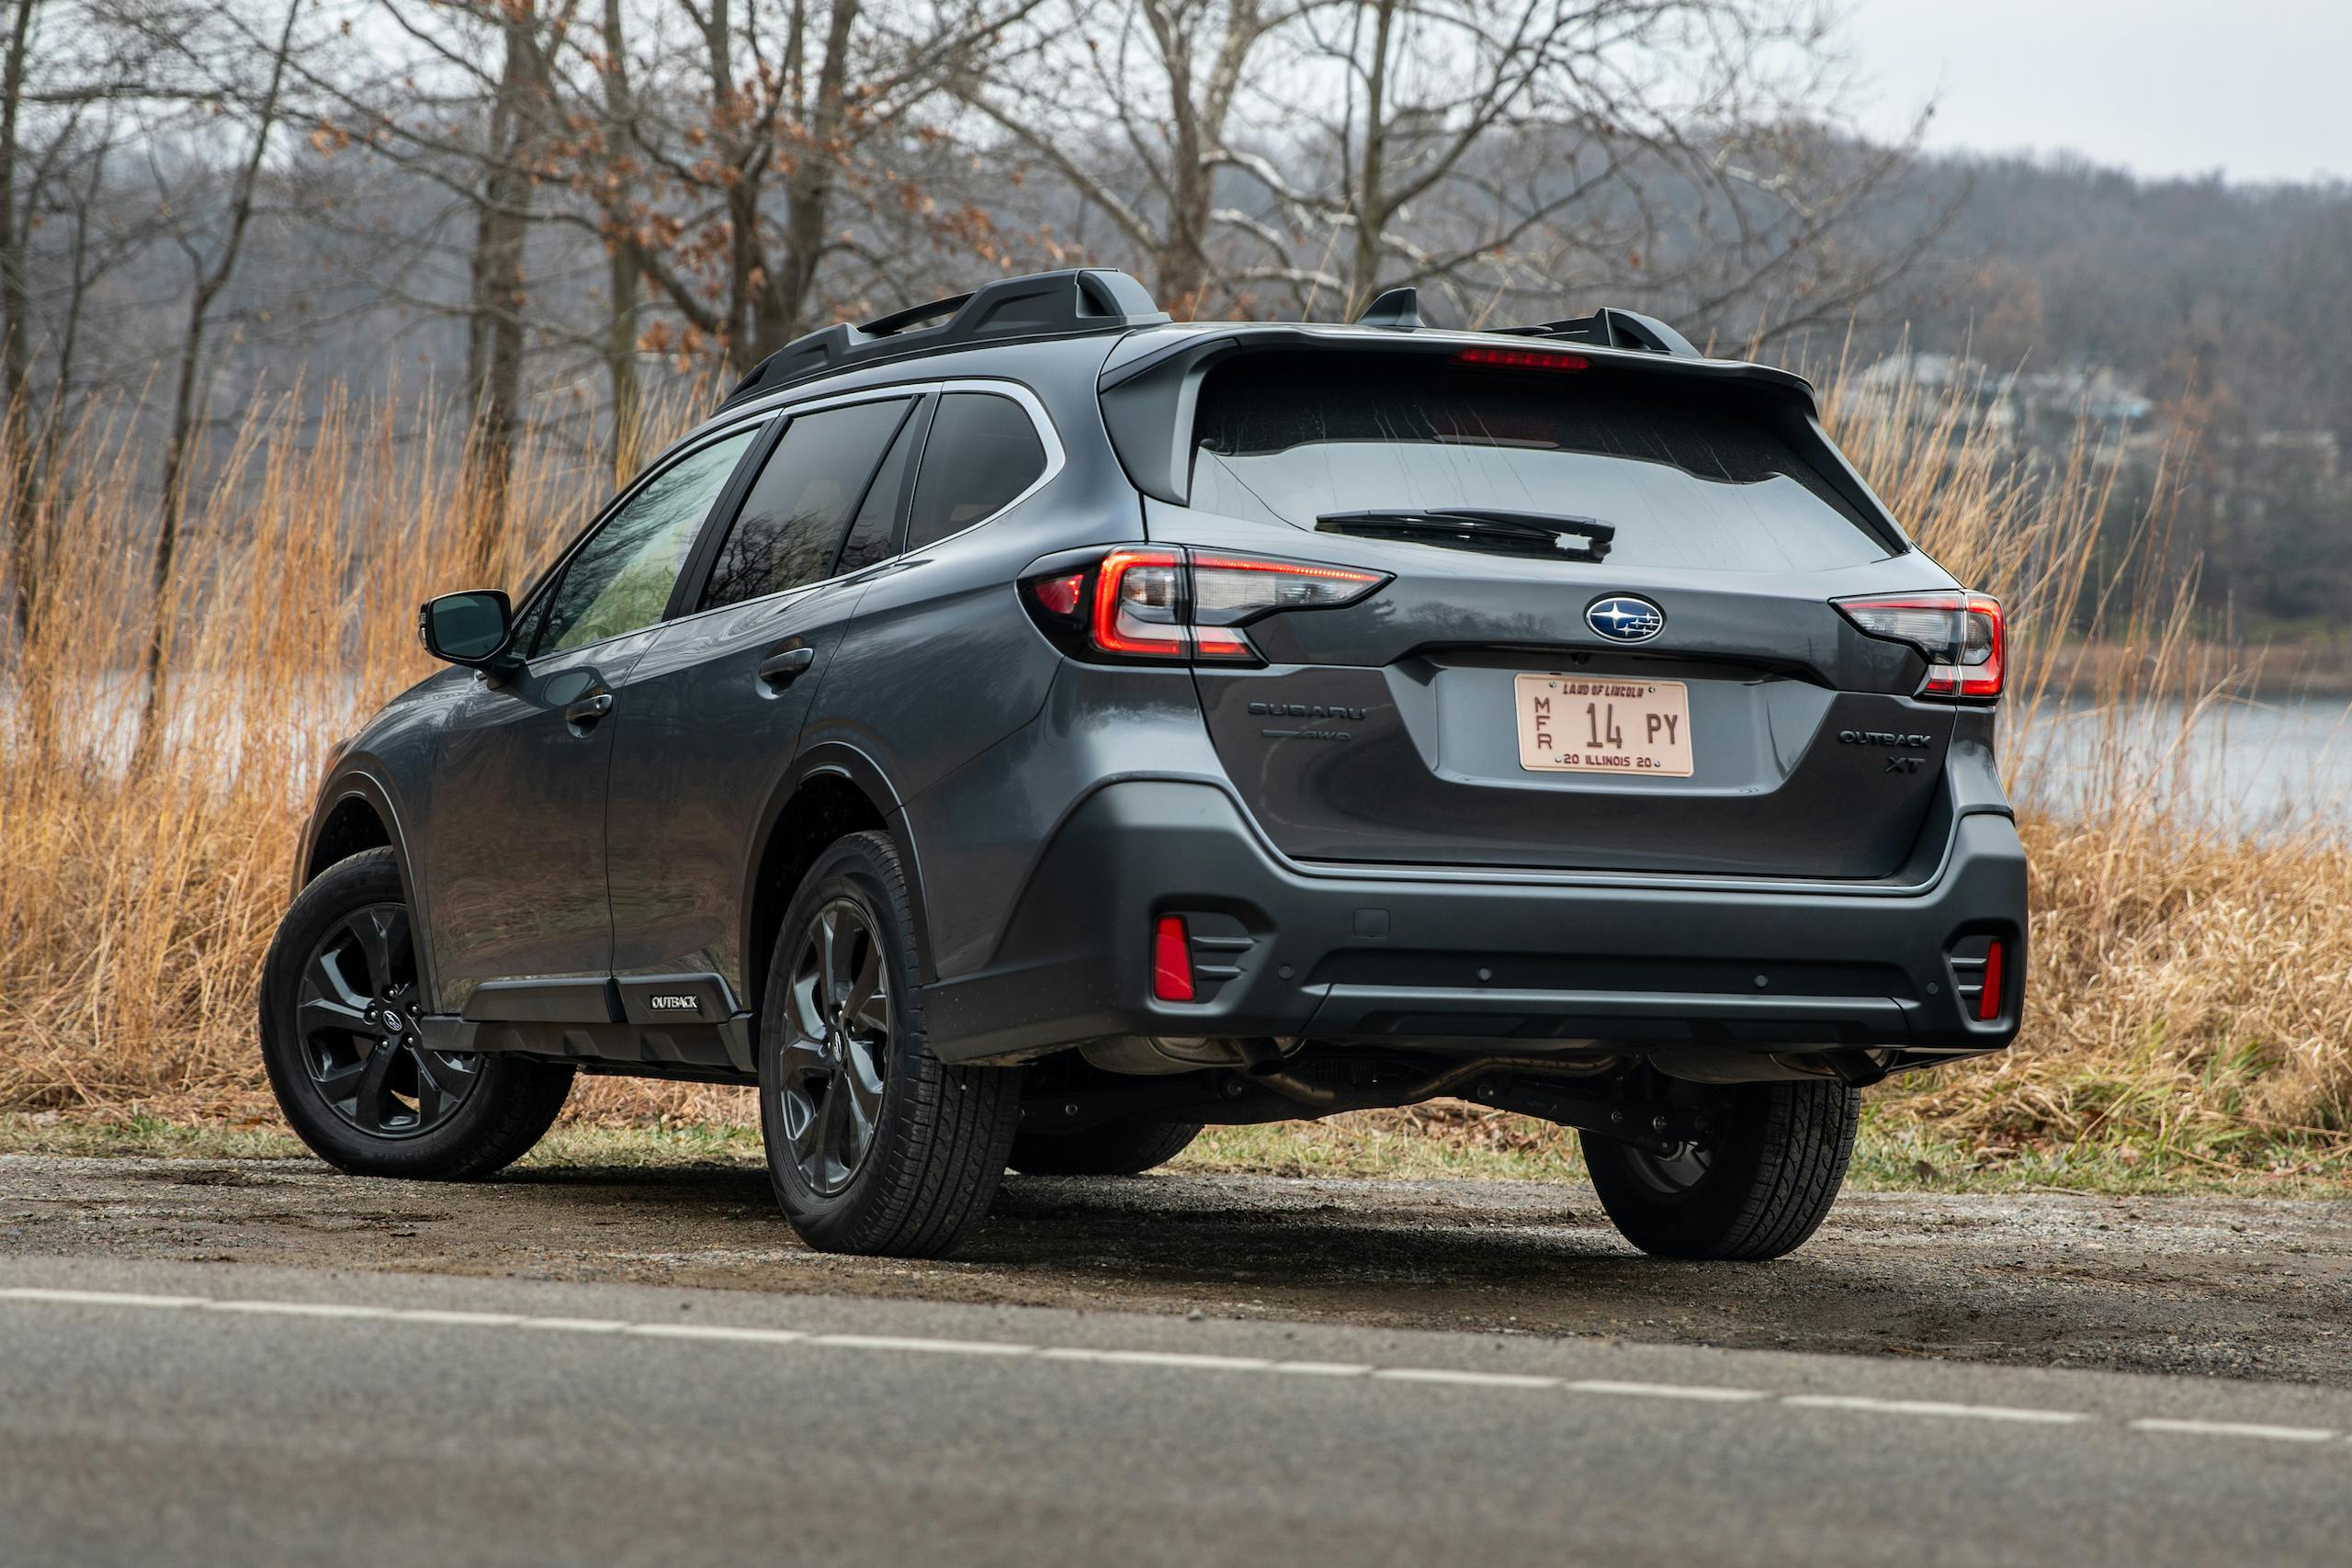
(1582, 725)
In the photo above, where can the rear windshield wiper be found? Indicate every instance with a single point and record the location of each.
(1476, 528)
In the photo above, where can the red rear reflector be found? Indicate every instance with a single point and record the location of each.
(1171, 960)
(1058, 596)
(1988, 1005)
(1521, 359)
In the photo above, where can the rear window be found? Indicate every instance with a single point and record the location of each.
(1687, 479)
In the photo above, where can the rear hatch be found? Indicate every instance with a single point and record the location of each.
(1609, 643)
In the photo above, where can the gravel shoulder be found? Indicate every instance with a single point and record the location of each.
(2223, 1287)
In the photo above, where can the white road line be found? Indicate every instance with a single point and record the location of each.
(717, 1331)
(1180, 1361)
(300, 1309)
(100, 1298)
(2235, 1429)
(573, 1325)
(1477, 1380)
(931, 1346)
(1667, 1391)
(1934, 1407)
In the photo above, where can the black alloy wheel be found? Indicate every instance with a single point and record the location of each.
(343, 1012)
(356, 1014)
(837, 1047)
(1671, 1172)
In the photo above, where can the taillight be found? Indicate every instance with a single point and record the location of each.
(1959, 634)
(1139, 605)
(1150, 602)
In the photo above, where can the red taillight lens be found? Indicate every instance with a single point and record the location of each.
(1521, 359)
(1139, 605)
(1146, 603)
(1960, 634)
(1988, 1004)
(1172, 960)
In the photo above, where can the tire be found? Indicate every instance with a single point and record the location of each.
(343, 958)
(1126, 1148)
(1758, 1193)
(874, 1146)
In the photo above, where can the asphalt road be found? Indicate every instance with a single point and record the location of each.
(161, 1412)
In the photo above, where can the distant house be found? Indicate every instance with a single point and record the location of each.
(2014, 407)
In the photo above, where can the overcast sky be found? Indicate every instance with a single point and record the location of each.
(2261, 89)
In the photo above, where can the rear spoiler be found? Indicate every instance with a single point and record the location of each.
(1150, 393)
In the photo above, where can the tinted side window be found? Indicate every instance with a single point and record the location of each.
(792, 521)
(983, 451)
(620, 579)
(871, 536)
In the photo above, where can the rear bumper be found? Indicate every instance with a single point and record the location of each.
(1519, 967)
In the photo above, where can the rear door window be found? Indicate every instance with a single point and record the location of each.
(983, 452)
(789, 529)
(875, 530)
(1687, 477)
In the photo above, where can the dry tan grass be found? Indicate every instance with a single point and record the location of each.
(2188, 987)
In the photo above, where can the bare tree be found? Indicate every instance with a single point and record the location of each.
(500, 290)
(616, 193)
(781, 135)
(15, 295)
(209, 276)
(1145, 141)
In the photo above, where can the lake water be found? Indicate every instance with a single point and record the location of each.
(2266, 765)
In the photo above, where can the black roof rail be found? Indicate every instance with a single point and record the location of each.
(1070, 303)
(1611, 328)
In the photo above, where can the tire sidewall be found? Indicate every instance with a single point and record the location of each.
(1781, 1158)
(849, 870)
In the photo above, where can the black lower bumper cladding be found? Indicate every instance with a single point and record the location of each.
(1508, 967)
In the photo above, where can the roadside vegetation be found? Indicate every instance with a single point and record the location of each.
(2189, 1019)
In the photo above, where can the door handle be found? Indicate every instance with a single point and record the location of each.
(782, 667)
(589, 709)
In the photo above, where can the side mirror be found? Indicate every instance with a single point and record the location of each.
(470, 628)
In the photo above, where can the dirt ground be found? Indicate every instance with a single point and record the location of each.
(2228, 1287)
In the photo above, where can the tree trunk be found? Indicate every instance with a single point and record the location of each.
(494, 339)
(16, 330)
(209, 283)
(783, 301)
(622, 274)
(1372, 213)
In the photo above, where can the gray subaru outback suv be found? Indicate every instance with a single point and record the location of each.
(1024, 729)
